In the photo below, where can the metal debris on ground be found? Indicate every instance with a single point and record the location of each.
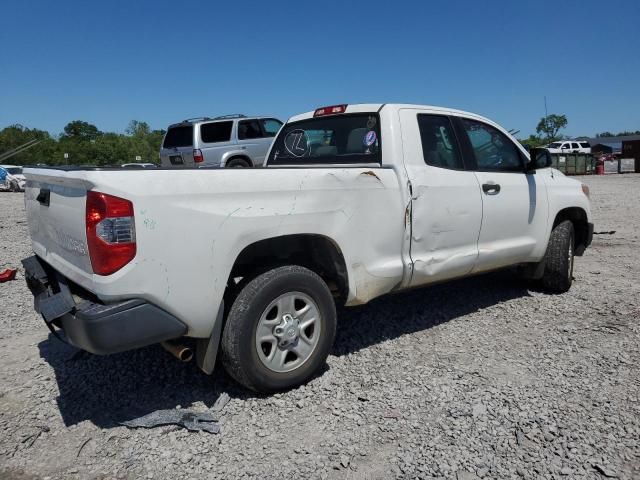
(192, 421)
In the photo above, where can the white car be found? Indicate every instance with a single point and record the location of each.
(569, 146)
(353, 202)
(14, 180)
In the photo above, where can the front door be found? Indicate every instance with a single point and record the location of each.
(446, 205)
(514, 204)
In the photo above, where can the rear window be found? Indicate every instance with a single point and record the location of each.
(216, 132)
(338, 139)
(179, 137)
(584, 144)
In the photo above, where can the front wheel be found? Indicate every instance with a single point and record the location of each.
(279, 330)
(558, 269)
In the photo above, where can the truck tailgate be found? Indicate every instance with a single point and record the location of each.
(55, 203)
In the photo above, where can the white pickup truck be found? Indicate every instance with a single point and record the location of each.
(353, 202)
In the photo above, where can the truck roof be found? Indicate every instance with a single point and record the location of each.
(376, 107)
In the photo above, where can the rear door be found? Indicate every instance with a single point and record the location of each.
(514, 204)
(253, 139)
(215, 140)
(177, 146)
(446, 206)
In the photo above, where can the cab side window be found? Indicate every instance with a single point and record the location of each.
(439, 144)
(494, 151)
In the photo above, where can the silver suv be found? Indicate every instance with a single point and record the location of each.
(227, 141)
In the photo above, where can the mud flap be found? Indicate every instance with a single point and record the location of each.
(207, 348)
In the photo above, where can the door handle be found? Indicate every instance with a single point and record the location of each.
(491, 188)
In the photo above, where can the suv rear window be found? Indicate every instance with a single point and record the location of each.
(337, 139)
(585, 144)
(179, 137)
(216, 132)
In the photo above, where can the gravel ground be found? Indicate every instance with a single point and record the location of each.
(480, 378)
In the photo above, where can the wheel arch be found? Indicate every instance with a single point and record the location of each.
(578, 217)
(316, 252)
(236, 154)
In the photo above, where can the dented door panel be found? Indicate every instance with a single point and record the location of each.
(446, 211)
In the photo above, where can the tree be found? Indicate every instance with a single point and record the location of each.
(79, 130)
(551, 125)
(619, 134)
(532, 142)
(138, 129)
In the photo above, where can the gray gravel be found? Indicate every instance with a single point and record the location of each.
(481, 378)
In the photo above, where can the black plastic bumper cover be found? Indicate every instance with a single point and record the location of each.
(93, 326)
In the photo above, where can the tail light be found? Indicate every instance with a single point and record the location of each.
(197, 155)
(332, 110)
(111, 234)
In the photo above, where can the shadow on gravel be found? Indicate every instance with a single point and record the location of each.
(107, 390)
(395, 315)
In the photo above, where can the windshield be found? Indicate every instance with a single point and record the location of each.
(14, 170)
(336, 139)
(179, 137)
(555, 145)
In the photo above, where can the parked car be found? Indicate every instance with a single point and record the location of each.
(230, 141)
(383, 197)
(569, 146)
(139, 165)
(13, 179)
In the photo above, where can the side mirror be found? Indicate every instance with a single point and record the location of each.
(538, 158)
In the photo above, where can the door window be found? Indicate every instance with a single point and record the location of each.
(216, 132)
(575, 145)
(249, 129)
(271, 126)
(493, 150)
(439, 144)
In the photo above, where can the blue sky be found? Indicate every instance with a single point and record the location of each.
(110, 62)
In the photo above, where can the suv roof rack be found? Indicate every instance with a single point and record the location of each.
(233, 115)
(196, 118)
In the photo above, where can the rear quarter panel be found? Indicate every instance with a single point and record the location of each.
(191, 226)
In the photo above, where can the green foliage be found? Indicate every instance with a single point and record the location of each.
(620, 134)
(551, 125)
(85, 144)
(532, 142)
(79, 130)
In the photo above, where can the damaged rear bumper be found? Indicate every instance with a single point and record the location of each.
(94, 326)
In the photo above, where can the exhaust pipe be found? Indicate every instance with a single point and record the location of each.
(182, 353)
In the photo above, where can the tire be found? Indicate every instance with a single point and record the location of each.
(559, 259)
(237, 163)
(252, 318)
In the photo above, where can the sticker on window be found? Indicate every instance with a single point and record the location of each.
(296, 143)
(370, 138)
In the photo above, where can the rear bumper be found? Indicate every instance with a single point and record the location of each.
(91, 325)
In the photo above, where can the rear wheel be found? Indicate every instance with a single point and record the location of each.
(237, 163)
(558, 269)
(279, 330)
